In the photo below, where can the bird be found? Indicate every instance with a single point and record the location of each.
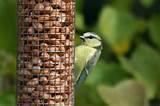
(86, 56)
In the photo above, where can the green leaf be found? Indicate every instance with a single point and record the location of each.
(147, 3)
(88, 96)
(118, 28)
(154, 27)
(7, 64)
(7, 98)
(145, 66)
(77, 39)
(8, 26)
(125, 5)
(80, 22)
(126, 93)
(106, 73)
(79, 6)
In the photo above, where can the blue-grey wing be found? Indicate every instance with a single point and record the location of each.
(88, 68)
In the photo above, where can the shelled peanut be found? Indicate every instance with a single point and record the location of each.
(45, 59)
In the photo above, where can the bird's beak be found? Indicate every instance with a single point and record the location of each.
(82, 37)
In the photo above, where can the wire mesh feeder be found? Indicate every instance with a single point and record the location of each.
(45, 52)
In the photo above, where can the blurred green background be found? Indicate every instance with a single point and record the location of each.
(128, 73)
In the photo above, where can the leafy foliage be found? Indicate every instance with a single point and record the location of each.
(154, 26)
(134, 94)
(118, 29)
(145, 66)
(131, 37)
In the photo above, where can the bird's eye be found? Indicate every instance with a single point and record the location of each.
(90, 37)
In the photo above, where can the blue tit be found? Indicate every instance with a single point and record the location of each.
(86, 56)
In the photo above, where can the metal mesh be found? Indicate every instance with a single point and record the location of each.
(45, 52)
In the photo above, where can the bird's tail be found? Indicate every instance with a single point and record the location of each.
(81, 80)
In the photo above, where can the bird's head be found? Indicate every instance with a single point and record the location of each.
(91, 39)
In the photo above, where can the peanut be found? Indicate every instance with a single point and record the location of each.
(38, 8)
(38, 27)
(36, 69)
(33, 82)
(45, 56)
(43, 80)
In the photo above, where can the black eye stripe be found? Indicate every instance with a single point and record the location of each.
(90, 37)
